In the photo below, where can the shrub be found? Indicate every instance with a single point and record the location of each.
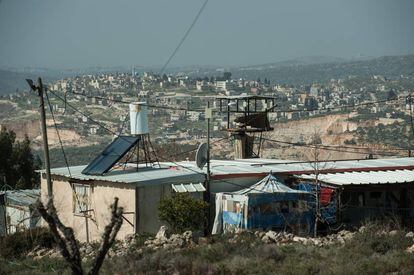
(182, 212)
(20, 243)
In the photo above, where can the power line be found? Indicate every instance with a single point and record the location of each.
(90, 118)
(344, 146)
(339, 107)
(225, 111)
(184, 37)
(57, 132)
(329, 148)
(146, 104)
(112, 132)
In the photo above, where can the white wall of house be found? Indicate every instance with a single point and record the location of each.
(101, 196)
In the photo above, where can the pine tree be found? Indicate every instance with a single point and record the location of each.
(17, 162)
(7, 139)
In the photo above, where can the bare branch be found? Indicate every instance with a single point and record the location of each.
(65, 237)
(108, 237)
(72, 255)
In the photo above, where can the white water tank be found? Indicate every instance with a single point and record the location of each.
(138, 114)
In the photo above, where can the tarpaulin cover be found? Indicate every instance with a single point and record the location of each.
(268, 204)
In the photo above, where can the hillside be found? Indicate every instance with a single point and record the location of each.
(11, 82)
(302, 73)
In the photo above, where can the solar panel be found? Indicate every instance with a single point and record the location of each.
(111, 155)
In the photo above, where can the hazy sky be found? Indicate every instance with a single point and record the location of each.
(82, 33)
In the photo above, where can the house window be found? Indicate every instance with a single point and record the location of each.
(81, 200)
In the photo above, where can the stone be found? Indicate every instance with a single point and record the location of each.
(410, 249)
(346, 236)
(188, 236)
(362, 229)
(299, 239)
(409, 235)
(393, 232)
(162, 233)
(341, 240)
(54, 254)
(316, 242)
(148, 242)
(270, 236)
(176, 240)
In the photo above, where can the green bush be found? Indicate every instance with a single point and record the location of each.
(20, 243)
(182, 212)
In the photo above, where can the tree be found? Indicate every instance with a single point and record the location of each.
(25, 165)
(315, 156)
(17, 162)
(7, 139)
(182, 212)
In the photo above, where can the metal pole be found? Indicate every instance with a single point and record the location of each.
(39, 88)
(208, 150)
(207, 194)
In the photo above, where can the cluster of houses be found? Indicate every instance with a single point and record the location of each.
(351, 192)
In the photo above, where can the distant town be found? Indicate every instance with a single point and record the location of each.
(345, 111)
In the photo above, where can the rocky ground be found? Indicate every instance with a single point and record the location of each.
(136, 245)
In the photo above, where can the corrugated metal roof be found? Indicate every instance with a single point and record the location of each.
(358, 178)
(189, 187)
(188, 172)
(24, 197)
(144, 175)
(278, 166)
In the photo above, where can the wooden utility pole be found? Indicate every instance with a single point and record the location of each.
(39, 89)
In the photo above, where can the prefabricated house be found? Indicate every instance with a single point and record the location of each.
(140, 189)
(17, 212)
(83, 194)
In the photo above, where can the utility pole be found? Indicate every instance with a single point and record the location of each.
(208, 146)
(411, 120)
(208, 115)
(39, 89)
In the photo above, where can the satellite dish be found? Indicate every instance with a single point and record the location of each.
(201, 155)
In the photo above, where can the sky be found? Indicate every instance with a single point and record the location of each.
(63, 34)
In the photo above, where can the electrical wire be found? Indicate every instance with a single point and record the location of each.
(184, 37)
(343, 106)
(330, 148)
(57, 132)
(177, 164)
(340, 107)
